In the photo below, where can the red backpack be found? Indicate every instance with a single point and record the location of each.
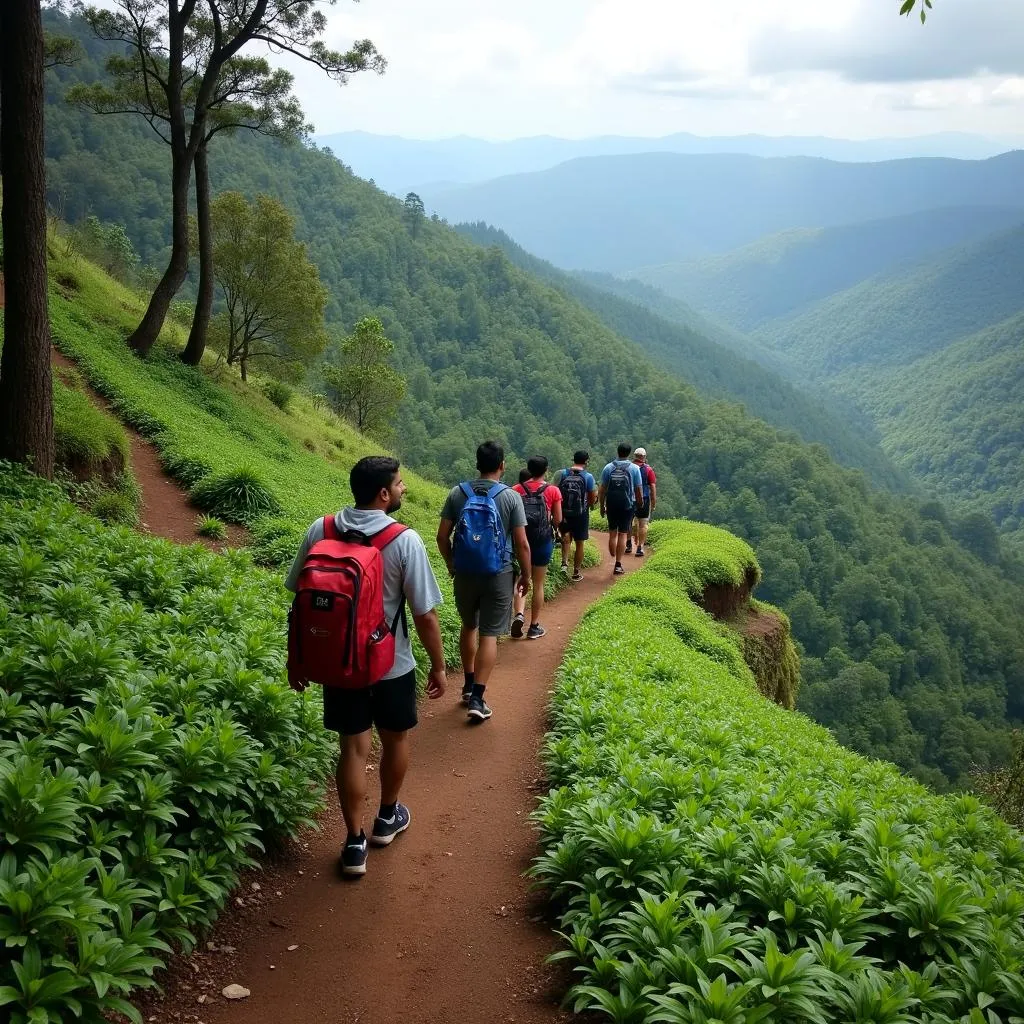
(338, 634)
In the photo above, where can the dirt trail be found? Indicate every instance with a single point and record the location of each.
(443, 927)
(165, 510)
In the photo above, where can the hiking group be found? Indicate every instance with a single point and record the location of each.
(359, 573)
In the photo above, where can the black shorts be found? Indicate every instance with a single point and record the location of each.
(389, 704)
(620, 520)
(577, 526)
(644, 511)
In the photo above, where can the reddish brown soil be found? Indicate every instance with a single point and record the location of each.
(760, 624)
(443, 927)
(165, 511)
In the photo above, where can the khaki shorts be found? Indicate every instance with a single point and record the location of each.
(485, 602)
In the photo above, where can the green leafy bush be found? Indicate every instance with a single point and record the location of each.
(716, 858)
(239, 496)
(115, 508)
(278, 392)
(148, 749)
(212, 527)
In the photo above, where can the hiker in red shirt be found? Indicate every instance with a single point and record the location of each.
(543, 504)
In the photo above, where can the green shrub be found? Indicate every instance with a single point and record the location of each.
(212, 527)
(714, 857)
(115, 509)
(149, 749)
(238, 496)
(278, 392)
(87, 440)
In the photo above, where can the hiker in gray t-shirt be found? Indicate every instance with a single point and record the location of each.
(390, 704)
(484, 601)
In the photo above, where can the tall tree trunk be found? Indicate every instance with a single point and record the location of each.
(26, 384)
(193, 351)
(144, 337)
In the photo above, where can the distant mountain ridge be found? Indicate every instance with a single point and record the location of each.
(617, 213)
(399, 164)
(777, 275)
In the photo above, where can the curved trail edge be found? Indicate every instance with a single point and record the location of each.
(443, 927)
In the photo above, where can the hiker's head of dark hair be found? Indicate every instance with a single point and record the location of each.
(624, 450)
(581, 457)
(524, 475)
(537, 465)
(371, 476)
(489, 457)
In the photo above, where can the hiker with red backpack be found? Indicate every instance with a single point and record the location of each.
(543, 505)
(481, 522)
(355, 574)
(646, 506)
(579, 495)
(620, 494)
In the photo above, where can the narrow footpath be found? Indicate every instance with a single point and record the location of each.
(443, 927)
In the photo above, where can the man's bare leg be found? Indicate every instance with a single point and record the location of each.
(394, 763)
(351, 779)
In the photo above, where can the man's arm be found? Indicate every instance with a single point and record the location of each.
(639, 489)
(592, 493)
(556, 512)
(654, 495)
(428, 628)
(522, 546)
(444, 542)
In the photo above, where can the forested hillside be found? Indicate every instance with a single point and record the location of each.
(913, 647)
(956, 420)
(617, 213)
(779, 275)
(889, 320)
(715, 371)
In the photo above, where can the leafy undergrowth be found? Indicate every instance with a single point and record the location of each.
(716, 858)
(214, 434)
(149, 748)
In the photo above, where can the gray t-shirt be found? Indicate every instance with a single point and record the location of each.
(406, 571)
(510, 508)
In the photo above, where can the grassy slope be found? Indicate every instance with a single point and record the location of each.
(206, 420)
(778, 275)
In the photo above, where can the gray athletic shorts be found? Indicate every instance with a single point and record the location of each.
(485, 602)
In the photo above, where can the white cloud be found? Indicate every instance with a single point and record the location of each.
(650, 67)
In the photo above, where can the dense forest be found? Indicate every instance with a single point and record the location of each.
(714, 370)
(912, 644)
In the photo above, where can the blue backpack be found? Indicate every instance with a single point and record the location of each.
(480, 547)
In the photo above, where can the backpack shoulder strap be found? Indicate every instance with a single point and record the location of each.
(331, 528)
(383, 538)
(467, 491)
(541, 489)
(494, 491)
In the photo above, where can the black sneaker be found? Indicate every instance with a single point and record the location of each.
(478, 709)
(353, 856)
(535, 632)
(629, 546)
(618, 570)
(517, 627)
(640, 552)
(385, 829)
(577, 577)
(467, 692)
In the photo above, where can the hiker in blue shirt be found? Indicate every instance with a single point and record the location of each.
(620, 494)
(481, 522)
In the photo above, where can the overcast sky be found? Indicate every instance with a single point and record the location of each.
(850, 68)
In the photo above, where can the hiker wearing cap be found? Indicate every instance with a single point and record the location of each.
(579, 495)
(620, 494)
(387, 571)
(646, 506)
